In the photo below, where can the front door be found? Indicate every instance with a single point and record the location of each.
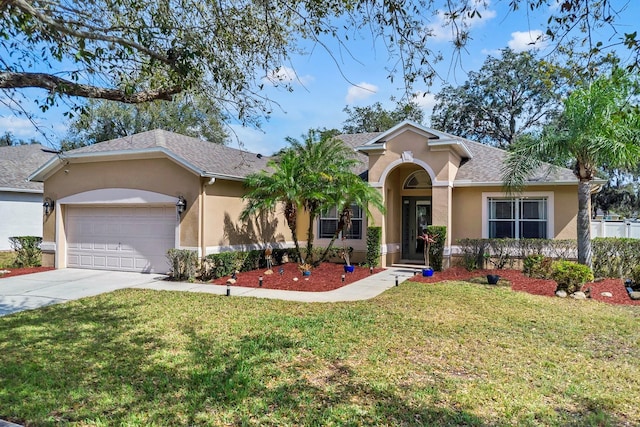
(416, 215)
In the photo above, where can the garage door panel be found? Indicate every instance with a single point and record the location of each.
(120, 238)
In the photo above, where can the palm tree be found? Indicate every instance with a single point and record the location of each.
(282, 186)
(350, 189)
(599, 127)
(325, 162)
(310, 176)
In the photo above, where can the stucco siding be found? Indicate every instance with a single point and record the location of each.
(21, 215)
(223, 229)
(161, 176)
(467, 219)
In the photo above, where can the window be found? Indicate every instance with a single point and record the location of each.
(328, 223)
(518, 218)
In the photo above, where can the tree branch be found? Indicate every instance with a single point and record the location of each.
(55, 84)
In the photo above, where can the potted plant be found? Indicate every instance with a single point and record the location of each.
(344, 224)
(493, 279)
(305, 269)
(427, 240)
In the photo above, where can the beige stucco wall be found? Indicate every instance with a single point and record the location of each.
(157, 175)
(467, 210)
(223, 229)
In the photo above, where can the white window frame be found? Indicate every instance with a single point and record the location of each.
(549, 195)
(354, 219)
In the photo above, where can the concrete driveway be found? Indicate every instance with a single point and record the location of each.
(36, 290)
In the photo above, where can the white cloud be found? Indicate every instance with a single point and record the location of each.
(441, 29)
(527, 40)
(20, 127)
(424, 100)
(360, 91)
(286, 75)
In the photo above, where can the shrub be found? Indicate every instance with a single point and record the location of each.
(537, 266)
(570, 276)
(615, 257)
(28, 253)
(473, 251)
(501, 252)
(184, 264)
(635, 276)
(218, 265)
(374, 240)
(436, 250)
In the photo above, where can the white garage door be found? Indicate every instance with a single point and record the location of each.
(120, 238)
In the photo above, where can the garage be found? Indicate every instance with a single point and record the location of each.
(126, 238)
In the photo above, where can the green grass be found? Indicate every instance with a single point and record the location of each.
(443, 354)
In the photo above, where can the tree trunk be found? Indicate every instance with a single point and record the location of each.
(584, 222)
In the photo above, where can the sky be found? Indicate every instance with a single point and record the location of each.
(324, 83)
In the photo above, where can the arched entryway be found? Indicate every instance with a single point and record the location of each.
(416, 214)
(408, 190)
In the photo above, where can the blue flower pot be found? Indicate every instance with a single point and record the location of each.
(349, 268)
(306, 273)
(427, 272)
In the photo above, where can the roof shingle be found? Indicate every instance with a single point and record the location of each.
(207, 157)
(17, 162)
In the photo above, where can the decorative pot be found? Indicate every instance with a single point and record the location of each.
(306, 273)
(349, 268)
(427, 272)
(493, 279)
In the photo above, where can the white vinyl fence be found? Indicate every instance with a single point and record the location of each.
(615, 229)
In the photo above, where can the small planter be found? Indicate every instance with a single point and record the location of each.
(493, 279)
(427, 272)
(306, 273)
(349, 268)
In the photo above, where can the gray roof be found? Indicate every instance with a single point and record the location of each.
(355, 140)
(17, 162)
(485, 165)
(208, 158)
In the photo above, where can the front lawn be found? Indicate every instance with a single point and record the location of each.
(442, 354)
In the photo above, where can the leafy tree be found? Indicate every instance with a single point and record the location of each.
(309, 176)
(374, 118)
(101, 120)
(507, 98)
(599, 126)
(141, 50)
(7, 140)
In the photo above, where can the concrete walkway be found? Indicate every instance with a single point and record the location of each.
(36, 290)
(363, 289)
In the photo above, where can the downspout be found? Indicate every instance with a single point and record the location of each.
(203, 248)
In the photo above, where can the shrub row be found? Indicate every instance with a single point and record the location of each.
(615, 257)
(501, 253)
(185, 264)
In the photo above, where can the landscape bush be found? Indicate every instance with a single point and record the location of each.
(374, 241)
(570, 276)
(615, 257)
(436, 250)
(183, 264)
(537, 266)
(27, 248)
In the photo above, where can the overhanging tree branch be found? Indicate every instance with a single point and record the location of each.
(59, 85)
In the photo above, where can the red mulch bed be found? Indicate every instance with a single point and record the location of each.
(520, 282)
(21, 271)
(325, 277)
